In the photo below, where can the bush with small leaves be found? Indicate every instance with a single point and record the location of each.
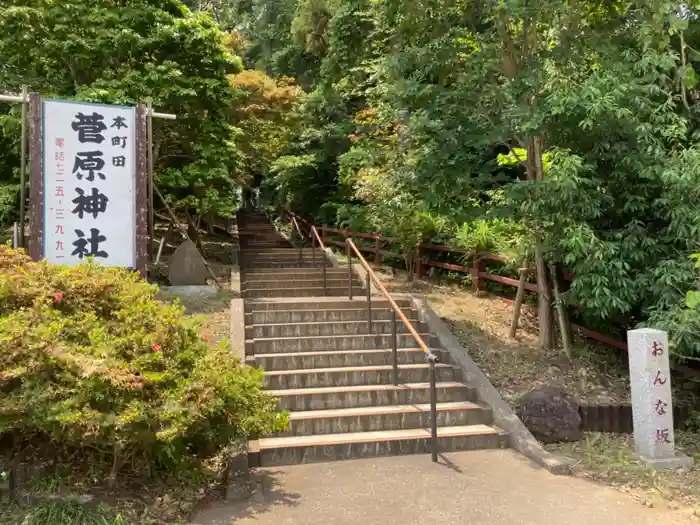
(91, 360)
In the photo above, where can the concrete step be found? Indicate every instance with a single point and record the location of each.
(258, 243)
(294, 450)
(263, 262)
(369, 395)
(266, 331)
(281, 265)
(271, 252)
(397, 417)
(294, 284)
(294, 292)
(306, 360)
(300, 272)
(261, 234)
(248, 246)
(333, 343)
(352, 376)
(320, 303)
(290, 256)
(253, 275)
(262, 237)
(316, 316)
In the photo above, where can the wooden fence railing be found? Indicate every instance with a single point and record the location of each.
(477, 270)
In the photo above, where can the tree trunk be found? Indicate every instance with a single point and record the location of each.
(544, 298)
(535, 171)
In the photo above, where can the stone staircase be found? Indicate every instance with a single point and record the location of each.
(332, 373)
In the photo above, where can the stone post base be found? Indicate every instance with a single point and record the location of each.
(680, 461)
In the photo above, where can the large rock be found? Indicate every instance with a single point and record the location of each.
(551, 414)
(187, 266)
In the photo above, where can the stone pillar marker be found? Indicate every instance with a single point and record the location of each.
(652, 400)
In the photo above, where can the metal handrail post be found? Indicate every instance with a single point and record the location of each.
(368, 284)
(394, 350)
(347, 245)
(432, 359)
(313, 251)
(325, 278)
(324, 262)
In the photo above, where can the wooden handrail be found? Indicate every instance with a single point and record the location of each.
(386, 294)
(314, 231)
(296, 225)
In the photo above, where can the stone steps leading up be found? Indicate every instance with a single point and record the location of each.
(333, 371)
(396, 417)
(370, 395)
(333, 343)
(318, 291)
(353, 376)
(320, 328)
(293, 450)
(320, 303)
(322, 316)
(350, 358)
(280, 284)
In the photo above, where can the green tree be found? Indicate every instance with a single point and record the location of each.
(124, 53)
(570, 128)
(267, 115)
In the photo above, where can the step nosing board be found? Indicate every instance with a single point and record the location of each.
(362, 388)
(344, 369)
(317, 310)
(326, 323)
(387, 435)
(355, 301)
(296, 279)
(324, 353)
(304, 338)
(382, 410)
(299, 289)
(339, 310)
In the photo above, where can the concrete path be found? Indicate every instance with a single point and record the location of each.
(482, 487)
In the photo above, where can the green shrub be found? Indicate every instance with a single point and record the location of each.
(91, 360)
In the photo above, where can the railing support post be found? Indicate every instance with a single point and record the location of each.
(394, 349)
(313, 249)
(368, 284)
(325, 278)
(433, 409)
(347, 246)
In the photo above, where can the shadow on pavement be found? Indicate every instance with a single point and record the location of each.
(267, 492)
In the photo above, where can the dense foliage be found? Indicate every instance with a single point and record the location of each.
(126, 52)
(92, 362)
(562, 133)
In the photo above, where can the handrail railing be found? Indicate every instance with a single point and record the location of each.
(301, 236)
(386, 294)
(314, 231)
(316, 238)
(396, 310)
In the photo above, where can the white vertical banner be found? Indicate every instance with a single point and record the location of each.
(89, 170)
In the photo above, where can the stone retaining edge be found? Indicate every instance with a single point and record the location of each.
(238, 481)
(519, 437)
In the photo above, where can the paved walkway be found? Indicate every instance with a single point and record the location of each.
(482, 487)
